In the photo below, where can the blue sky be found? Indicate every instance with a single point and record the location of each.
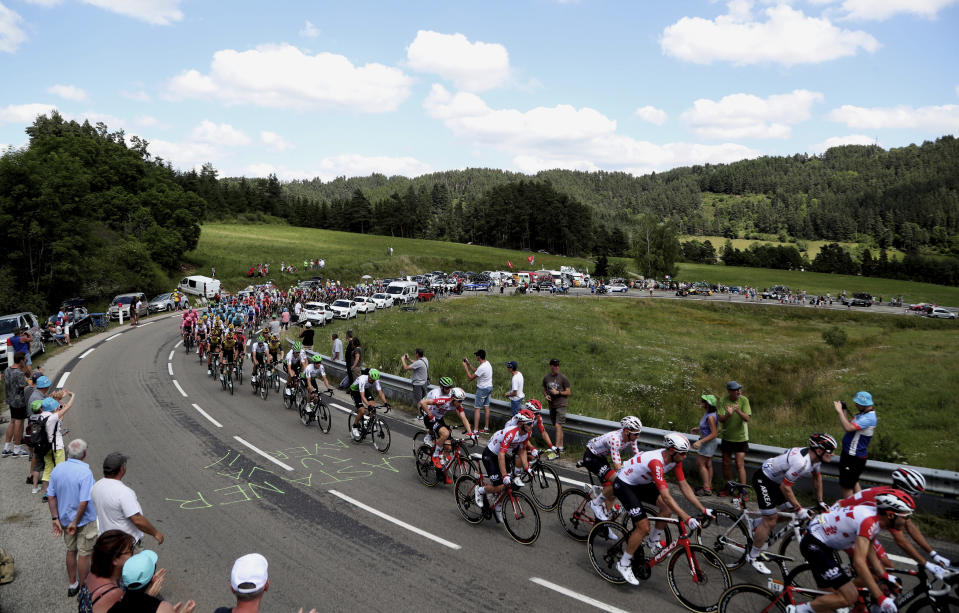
(322, 89)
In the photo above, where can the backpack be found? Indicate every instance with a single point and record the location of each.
(41, 444)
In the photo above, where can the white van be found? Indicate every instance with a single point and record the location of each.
(403, 291)
(200, 286)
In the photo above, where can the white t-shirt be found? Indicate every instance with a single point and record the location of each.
(517, 385)
(52, 420)
(338, 349)
(115, 504)
(484, 375)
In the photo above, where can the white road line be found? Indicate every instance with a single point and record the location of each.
(180, 389)
(171, 357)
(207, 415)
(169, 368)
(63, 379)
(584, 599)
(901, 559)
(398, 522)
(262, 453)
(572, 481)
(146, 324)
(86, 353)
(248, 342)
(113, 337)
(178, 343)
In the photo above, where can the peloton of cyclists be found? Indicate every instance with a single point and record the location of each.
(602, 458)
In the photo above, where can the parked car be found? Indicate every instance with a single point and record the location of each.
(318, 313)
(163, 302)
(124, 302)
(382, 300)
(477, 286)
(425, 295)
(775, 292)
(858, 299)
(344, 309)
(940, 313)
(364, 304)
(80, 323)
(11, 325)
(621, 288)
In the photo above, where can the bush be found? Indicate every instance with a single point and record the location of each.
(835, 337)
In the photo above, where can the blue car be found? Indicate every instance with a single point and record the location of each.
(476, 287)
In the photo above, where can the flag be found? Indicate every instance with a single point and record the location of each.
(510, 264)
(531, 259)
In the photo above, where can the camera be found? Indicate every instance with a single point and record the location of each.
(843, 403)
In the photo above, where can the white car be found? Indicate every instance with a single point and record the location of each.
(318, 313)
(344, 309)
(382, 300)
(618, 287)
(364, 304)
(941, 313)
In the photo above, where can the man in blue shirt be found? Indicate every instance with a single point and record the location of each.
(859, 431)
(72, 511)
(21, 342)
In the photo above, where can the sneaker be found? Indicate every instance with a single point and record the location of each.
(355, 431)
(559, 450)
(437, 462)
(759, 566)
(35, 490)
(599, 509)
(23, 453)
(484, 431)
(627, 573)
(654, 546)
(6, 453)
(498, 512)
(479, 496)
(72, 590)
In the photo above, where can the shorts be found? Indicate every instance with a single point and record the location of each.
(515, 405)
(826, 569)
(419, 392)
(357, 401)
(769, 494)
(50, 460)
(482, 396)
(38, 462)
(597, 465)
(434, 425)
(557, 415)
(708, 449)
(491, 464)
(18, 413)
(633, 496)
(733, 447)
(850, 467)
(83, 539)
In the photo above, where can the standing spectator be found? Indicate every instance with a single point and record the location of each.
(420, 375)
(141, 579)
(249, 580)
(515, 393)
(15, 383)
(21, 342)
(63, 319)
(285, 319)
(53, 411)
(349, 356)
(135, 312)
(734, 413)
(73, 516)
(274, 326)
(337, 348)
(297, 310)
(708, 432)
(556, 388)
(306, 336)
(213, 272)
(322, 263)
(356, 366)
(483, 375)
(101, 590)
(859, 431)
(117, 505)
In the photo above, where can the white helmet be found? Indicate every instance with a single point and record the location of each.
(909, 480)
(631, 423)
(458, 394)
(899, 502)
(677, 441)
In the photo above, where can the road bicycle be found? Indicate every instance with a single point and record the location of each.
(371, 425)
(519, 513)
(544, 483)
(226, 376)
(696, 575)
(297, 388)
(313, 407)
(201, 350)
(188, 341)
(261, 380)
(456, 461)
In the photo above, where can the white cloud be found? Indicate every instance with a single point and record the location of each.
(565, 137)
(787, 37)
(138, 95)
(24, 113)
(282, 76)
(274, 141)
(884, 9)
(350, 165)
(45, 3)
(219, 134)
(652, 115)
(184, 155)
(836, 141)
(157, 12)
(747, 116)
(944, 118)
(11, 36)
(70, 92)
(310, 30)
(470, 66)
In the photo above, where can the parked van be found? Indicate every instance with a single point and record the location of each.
(403, 291)
(522, 277)
(207, 287)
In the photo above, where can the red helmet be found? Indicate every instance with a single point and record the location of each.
(525, 416)
(533, 405)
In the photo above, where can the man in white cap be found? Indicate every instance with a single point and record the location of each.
(249, 580)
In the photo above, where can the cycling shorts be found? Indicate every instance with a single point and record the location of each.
(826, 569)
(434, 425)
(632, 497)
(597, 465)
(769, 495)
(357, 402)
(491, 464)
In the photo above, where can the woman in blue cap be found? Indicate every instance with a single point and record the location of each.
(859, 431)
(53, 411)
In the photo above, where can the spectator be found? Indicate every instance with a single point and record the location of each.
(515, 393)
(135, 312)
(15, 383)
(483, 375)
(140, 574)
(337, 348)
(73, 516)
(734, 413)
(306, 336)
(556, 388)
(21, 342)
(249, 580)
(53, 411)
(117, 505)
(356, 365)
(859, 431)
(101, 590)
(285, 319)
(420, 375)
(274, 326)
(64, 324)
(708, 432)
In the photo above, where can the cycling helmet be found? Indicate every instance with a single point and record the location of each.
(899, 502)
(677, 441)
(822, 441)
(43, 382)
(446, 382)
(297, 346)
(317, 358)
(631, 423)
(374, 374)
(909, 480)
(525, 416)
(260, 338)
(458, 394)
(533, 405)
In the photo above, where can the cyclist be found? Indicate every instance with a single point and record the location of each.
(313, 369)
(228, 352)
(434, 410)
(536, 408)
(295, 362)
(774, 481)
(200, 333)
(443, 391)
(601, 452)
(494, 457)
(187, 323)
(362, 397)
(261, 357)
(854, 528)
(214, 348)
(643, 479)
(273, 343)
(240, 352)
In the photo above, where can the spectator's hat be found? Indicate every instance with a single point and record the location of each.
(43, 382)
(249, 574)
(512, 364)
(733, 385)
(114, 462)
(709, 399)
(554, 362)
(138, 570)
(49, 404)
(307, 325)
(863, 399)
(480, 353)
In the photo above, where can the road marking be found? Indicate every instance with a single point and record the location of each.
(63, 379)
(207, 415)
(262, 453)
(86, 353)
(113, 337)
(146, 324)
(171, 357)
(901, 559)
(179, 388)
(584, 599)
(248, 342)
(169, 367)
(398, 522)
(177, 346)
(573, 481)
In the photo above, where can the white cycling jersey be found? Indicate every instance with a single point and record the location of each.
(313, 370)
(259, 348)
(649, 467)
(609, 444)
(441, 405)
(839, 529)
(289, 357)
(362, 382)
(790, 466)
(507, 440)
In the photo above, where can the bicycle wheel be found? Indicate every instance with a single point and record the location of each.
(264, 384)
(463, 466)
(276, 381)
(349, 427)
(324, 418)
(424, 466)
(521, 518)
(303, 408)
(289, 400)
(699, 580)
(463, 492)
(574, 514)
(229, 382)
(943, 604)
(604, 551)
(746, 598)
(381, 435)
(418, 439)
(223, 381)
(802, 576)
(727, 536)
(545, 487)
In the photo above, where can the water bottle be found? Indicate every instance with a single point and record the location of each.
(736, 504)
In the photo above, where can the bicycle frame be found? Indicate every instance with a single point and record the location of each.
(681, 541)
